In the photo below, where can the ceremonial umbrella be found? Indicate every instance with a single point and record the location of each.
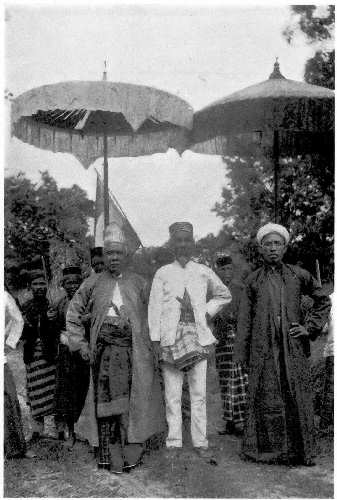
(101, 119)
(277, 106)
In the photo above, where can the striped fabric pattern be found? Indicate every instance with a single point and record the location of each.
(233, 382)
(41, 377)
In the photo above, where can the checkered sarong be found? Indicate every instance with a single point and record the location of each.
(186, 351)
(233, 382)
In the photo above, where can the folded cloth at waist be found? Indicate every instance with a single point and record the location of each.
(186, 351)
(112, 334)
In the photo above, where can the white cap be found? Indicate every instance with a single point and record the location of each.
(272, 228)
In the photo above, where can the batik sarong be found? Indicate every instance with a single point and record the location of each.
(233, 381)
(112, 380)
(40, 384)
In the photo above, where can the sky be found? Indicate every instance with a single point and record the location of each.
(200, 53)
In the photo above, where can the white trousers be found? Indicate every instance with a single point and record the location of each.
(173, 380)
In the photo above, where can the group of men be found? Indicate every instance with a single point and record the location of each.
(100, 356)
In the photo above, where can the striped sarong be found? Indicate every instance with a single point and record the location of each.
(41, 377)
(233, 382)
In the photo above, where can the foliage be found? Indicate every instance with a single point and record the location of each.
(318, 30)
(41, 216)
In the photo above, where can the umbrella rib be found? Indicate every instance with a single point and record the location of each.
(80, 125)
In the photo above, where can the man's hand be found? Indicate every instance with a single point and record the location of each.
(51, 313)
(298, 330)
(85, 352)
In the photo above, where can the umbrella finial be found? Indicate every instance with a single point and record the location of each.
(276, 74)
(105, 75)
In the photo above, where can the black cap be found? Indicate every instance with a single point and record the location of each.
(96, 252)
(72, 270)
(224, 260)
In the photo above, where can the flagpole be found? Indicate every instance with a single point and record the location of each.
(105, 165)
(106, 180)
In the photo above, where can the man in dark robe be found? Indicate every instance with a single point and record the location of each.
(233, 381)
(124, 404)
(40, 341)
(273, 341)
(72, 372)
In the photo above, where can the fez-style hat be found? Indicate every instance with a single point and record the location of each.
(180, 226)
(34, 269)
(71, 270)
(223, 260)
(96, 252)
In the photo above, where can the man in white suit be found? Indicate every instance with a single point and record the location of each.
(184, 297)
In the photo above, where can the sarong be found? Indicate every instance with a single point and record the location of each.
(186, 351)
(14, 439)
(112, 381)
(40, 384)
(233, 381)
(72, 382)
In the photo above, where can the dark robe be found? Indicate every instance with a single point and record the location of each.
(72, 374)
(279, 420)
(146, 409)
(38, 326)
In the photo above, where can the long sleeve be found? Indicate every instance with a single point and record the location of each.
(319, 312)
(77, 308)
(14, 322)
(154, 311)
(244, 328)
(219, 293)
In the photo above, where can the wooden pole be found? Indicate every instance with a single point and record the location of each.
(318, 273)
(106, 180)
(276, 154)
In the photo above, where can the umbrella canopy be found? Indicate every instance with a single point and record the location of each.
(276, 107)
(74, 117)
(275, 104)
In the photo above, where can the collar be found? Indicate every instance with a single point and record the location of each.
(177, 263)
(275, 267)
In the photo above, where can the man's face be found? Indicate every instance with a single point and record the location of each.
(115, 257)
(39, 287)
(273, 248)
(71, 284)
(183, 244)
(97, 263)
(226, 273)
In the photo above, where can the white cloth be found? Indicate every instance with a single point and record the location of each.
(173, 380)
(13, 322)
(116, 299)
(170, 282)
(272, 228)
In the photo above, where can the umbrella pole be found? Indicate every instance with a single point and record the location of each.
(105, 180)
(276, 154)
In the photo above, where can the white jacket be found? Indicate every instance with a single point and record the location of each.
(207, 293)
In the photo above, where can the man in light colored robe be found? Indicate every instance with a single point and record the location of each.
(118, 297)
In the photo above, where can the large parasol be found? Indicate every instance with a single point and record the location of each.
(101, 119)
(276, 107)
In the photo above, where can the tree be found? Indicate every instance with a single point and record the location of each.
(40, 217)
(318, 30)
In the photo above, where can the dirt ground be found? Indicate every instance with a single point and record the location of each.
(59, 471)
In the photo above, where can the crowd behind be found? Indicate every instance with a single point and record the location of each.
(115, 357)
